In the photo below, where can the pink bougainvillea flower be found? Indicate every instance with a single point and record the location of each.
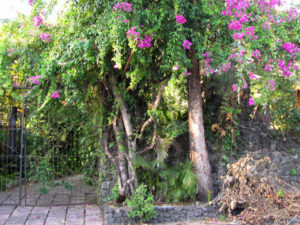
(175, 68)
(250, 31)
(251, 102)
(235, 25)
(126, 21)
(244, 19)
(35, 79)
(186, 73)
(180, 19)
(124, 6)
(238, 36)
(132, 33)
(234, 87)
(271, 85)
(291, 48)
(266, 26)
(256, 54)
(145, 42)
(187, 44)
(45, 37)
(11, 50)
(37, 21)
(31, 2)
(268, 67)
(55, 94)
(245, 85)
(253, 76)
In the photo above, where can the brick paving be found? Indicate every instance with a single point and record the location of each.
(88, 214)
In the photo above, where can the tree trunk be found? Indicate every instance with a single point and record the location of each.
(198, 150)
(123, 176)
(131, 140)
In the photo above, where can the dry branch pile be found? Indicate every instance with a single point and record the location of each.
(251, 197)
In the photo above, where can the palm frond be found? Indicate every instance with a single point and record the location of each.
(162, 148)
(140, 161)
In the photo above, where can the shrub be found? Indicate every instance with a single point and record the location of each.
(141, 204)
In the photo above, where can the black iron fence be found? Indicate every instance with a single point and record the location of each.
(11, 160)
(42, 164)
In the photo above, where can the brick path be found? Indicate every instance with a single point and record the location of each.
(53, 215)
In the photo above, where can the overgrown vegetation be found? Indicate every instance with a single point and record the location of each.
(141, 204)
(136, 82)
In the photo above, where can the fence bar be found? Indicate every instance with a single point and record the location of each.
(21, 154)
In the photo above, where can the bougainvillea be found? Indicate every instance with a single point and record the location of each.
(45, 37)
(180, 19)
(37, 21)
(103, 55)
(187, 44)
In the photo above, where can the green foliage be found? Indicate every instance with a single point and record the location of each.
(280, 193)
(114, 194)
(141, 204)
(88, 46)
(176, 183)
(42, 171)
(179, 182)
(293, 172)
(222, 218)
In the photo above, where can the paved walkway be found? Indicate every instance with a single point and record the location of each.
(53, 215)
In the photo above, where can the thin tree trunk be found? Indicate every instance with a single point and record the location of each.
(123, 176)
(198, 150)
(131, 140)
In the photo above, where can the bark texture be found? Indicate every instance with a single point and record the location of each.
(198, 150)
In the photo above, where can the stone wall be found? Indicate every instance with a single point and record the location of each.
(259, 141)
(108, 180)
(165, 214)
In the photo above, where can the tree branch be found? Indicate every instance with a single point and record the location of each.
(154, 107)
(151, 146)
(129, 60)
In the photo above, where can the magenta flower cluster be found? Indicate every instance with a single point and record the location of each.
(268, 67)
(180, 19)
(286, 69)
(234, 87)
(145, 42)
(250, 31)
(124, 6)
(35, 79)
(186, 73)
(37, 21)
(235, 25)
(207, 60)
(271, 85)
(266, 26)
(253, 76)
(31, 2)
(133, 34)
(11, 51)
(291, 48)
(251, 102)
(256, 54)
(45, 37)
(55, 94)
(187, 44)
(238, 36)
(226, 67)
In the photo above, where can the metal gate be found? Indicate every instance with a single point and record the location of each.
(40, 167)
(11, 168)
